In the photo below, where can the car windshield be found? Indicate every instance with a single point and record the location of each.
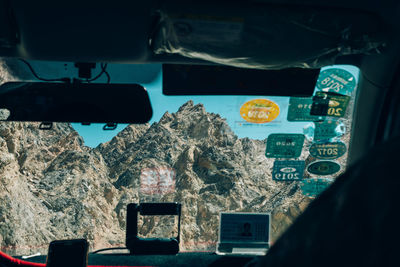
(212, 154)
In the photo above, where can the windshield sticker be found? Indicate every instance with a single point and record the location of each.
(284, 145)
(259, 111)
(157, 181)
(328, 130)
(312, 187)
(323, 168)
(328, 150)
(288, 170)
(300, 108)
(336, 80)
(329, 104)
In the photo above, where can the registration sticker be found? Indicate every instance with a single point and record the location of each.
(328, 150)
(326, 130)
(312, 187)
(284, 145)
(259, 111)
(323, 168)
(336, 80)
(329, 104)
(288, 170)
(300, 108)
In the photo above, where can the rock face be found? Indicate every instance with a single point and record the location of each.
(54, 187)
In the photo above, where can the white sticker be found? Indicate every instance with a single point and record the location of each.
(157, 181)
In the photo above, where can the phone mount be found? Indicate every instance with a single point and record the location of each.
(147, 246)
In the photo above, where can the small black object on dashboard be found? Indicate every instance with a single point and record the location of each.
(148, 246)
(67, 253)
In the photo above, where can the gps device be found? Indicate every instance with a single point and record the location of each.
(67, 253)
(244, 233)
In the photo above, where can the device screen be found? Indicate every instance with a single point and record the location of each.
(63, 253)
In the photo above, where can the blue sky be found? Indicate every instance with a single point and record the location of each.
(227, 106)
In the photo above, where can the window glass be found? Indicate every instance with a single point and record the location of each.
(210, 153)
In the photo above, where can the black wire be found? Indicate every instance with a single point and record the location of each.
(106, 249)
(108, 77)
(103, 70)
(43, 79)
(66, 79)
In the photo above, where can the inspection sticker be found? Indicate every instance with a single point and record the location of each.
(323, 168)
(329, 104)
(326, 130)
(312, 187)
(300, 108)
(336, 80)
(284, 145)
(259, 111)
(328, 150)
(288, 170)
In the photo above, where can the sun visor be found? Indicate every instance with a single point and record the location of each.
(268, 38)
(8, 30)
(185, 79)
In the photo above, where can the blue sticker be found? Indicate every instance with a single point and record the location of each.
(323, 168)
(328, 130)
(312, 187)
(300, 108)
(328, 150)
(288, 170)
(336, 80)
(284, 145)
(329, 104)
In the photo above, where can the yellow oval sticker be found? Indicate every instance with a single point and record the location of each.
(259, 111)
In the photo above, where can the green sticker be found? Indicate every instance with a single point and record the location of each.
(328, 150)
(323, 168)
(312, 187)
(336, 80)
(288, 170)
(300, 108)
(326, 130)
(284, 145)
(329, 104)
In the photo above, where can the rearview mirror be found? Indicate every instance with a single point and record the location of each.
(75, 102)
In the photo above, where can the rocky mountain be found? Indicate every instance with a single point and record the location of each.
(54, 187)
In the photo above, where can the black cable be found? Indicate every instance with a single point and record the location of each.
(44, 79)
(106, 249)
(103, 70)
(108, 77)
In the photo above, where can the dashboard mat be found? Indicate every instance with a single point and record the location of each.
(182, 259)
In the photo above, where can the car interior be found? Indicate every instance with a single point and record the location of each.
(199, 133)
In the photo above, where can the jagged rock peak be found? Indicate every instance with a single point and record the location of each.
(190, 107)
